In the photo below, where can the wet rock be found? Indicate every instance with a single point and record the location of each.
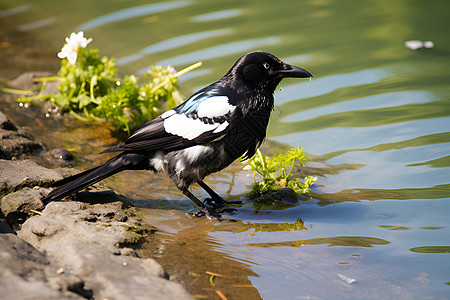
(284, 195)
(92, 237)
(19, 205)
(15, 143)
(15, 175)
(4, 226)
(61, 154)
(6, 124)
(25, 273)
(56, 158)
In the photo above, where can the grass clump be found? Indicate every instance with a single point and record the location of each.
(276, 172)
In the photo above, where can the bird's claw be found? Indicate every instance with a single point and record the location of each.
(228, 210)
(207, 212)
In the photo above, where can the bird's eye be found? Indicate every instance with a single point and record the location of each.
(266, 66)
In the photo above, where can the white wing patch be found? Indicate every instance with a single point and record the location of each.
(215, 106)
(185, 127)
(168, 114)
(149, 128)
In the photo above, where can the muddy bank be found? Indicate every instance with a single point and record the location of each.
(82, 249)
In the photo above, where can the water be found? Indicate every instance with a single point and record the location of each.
(374, 120)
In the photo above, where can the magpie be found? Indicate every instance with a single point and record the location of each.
(205, 134)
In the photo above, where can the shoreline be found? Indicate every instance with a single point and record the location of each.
(73, 249)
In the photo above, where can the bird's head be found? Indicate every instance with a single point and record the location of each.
(264, 71)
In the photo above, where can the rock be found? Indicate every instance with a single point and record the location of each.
(17, 206)
(6, 124)
(15, 143)
(4, 226)
(284, 195)
(25, 273)
(61, 154)
(87, 240)
(15, 175)
(74, 250)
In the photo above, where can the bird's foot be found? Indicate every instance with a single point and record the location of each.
(219, 202)
(210, 213)
(227, 210)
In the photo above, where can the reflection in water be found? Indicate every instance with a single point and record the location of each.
(36, 25)
(391, 227)
(349, 241)
(240, 226)
(218, 51)
(132, 12)
(217, 15)
(14, 10)
(365, 103)
(434, 192)
(190, 255)
(172, 44)
(431, 249)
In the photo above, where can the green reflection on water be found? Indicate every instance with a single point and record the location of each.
(435, 163)
(240, 226)
(432, 227)
(430, 139)
(431, 249)
(349, 241)
(435, 192)
(391, 227)
(375, 117)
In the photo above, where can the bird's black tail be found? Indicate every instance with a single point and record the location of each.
(75, 183)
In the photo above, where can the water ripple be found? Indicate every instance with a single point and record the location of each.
(328, 84)
(132, 12)
(217, 15)
(14, 11)
(172, 43)
(365, 103)
(331, 139)
(36, 25)
(217, 51)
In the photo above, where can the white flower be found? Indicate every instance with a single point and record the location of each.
(171, 69)
(73, 43)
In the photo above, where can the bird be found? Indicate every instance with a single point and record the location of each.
(215, 126)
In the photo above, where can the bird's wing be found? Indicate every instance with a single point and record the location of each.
(203, 118)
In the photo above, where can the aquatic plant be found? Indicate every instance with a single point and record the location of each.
(90, 89)
(276, 172)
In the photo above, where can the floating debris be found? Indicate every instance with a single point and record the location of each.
(416, 44)
(347, 279)
(221, 295)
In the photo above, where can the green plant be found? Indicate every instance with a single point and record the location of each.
(90, 89)
(276, 172)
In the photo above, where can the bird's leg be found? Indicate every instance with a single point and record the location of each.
(215, 200)
(203, 210)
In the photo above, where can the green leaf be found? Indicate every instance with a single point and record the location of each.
(273, 171)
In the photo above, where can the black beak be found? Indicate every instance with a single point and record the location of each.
(293, 71)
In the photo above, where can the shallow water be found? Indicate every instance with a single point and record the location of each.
(374, 120)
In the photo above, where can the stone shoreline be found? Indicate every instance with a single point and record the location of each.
(84, 249)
